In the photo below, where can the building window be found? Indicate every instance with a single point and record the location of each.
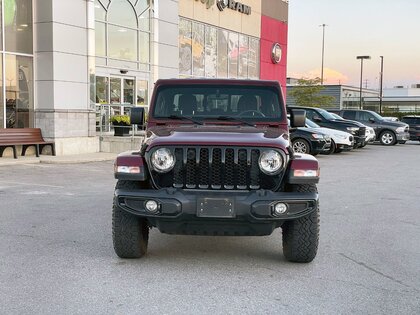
(122, 33)
(18, 26)
(19, 92)
(208, 51)
(16, 62)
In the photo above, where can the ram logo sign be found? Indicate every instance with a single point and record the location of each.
(233, 5)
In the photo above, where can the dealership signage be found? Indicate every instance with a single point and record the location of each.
(229, 4)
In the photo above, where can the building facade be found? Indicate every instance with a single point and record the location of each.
(66, 66)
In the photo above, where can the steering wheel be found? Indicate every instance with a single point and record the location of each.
(259, 114)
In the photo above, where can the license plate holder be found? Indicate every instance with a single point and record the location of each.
(215, 208)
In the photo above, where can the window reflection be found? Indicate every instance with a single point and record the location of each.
(243, 57)
(226, 54)
(185, 53)
(128, 91)
(100, 39)
(115, 91)
(142, 92)
(122, 43)
(100, 12)
(254, 59)
(222, 53)
(102, 90)
(123, 33)
(211, 51)
(233, 54)
(1, 94)
(121, 12)
(198, 49)
(19, 92)
(18, 25)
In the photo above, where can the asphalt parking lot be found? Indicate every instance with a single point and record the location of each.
(57, 256)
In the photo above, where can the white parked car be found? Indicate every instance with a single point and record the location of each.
(370, 134)
(340, 140)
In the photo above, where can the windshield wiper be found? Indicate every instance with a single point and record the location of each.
(197, 122)
(230, 118)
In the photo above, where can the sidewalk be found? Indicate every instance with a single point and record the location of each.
(66, 159)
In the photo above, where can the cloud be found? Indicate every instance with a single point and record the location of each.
(331, 76)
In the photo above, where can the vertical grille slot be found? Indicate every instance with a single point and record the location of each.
(242, 169)
(178, 169)
(255, 170)
(204, 169)
(190, 168)
(216, 168)
(229, 173)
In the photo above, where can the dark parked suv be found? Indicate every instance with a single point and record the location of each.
(325, 119)
(414, 123)
(387, 132)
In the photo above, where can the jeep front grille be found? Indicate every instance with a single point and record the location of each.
(216, 168)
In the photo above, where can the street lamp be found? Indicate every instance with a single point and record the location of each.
(361, 76)
(322, 59)
(380, 85)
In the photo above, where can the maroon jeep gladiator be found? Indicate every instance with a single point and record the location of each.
(216, 161)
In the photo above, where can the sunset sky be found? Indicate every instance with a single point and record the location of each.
(390, 28)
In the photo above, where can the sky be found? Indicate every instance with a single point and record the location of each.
(388, 28)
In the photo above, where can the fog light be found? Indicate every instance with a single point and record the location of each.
(279, 209)
(151, 206)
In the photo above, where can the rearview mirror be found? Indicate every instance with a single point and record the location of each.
(297, 117)
(317, 119)
(372, 120)
(137, 116)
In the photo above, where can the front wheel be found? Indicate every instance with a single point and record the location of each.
(387, 138)
(332, 148)
(301, 236)
(301, 146)
(130, 234)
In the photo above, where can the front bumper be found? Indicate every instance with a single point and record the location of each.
(205, 212)
(403, 136)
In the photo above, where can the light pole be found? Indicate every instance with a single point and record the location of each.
(380, 84)
(361, 76)
(322, 58)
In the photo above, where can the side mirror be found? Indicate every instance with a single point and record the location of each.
(137, 116)
(297, 118)
(372, 120)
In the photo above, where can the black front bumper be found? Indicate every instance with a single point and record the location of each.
(205, 212)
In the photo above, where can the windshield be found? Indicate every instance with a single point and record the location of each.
(326, 115)
(337, 116)
(311, 124)
(212, 102)
(377, 116)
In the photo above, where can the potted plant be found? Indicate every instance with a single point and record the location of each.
(121, 124)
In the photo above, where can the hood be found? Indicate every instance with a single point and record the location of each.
(216, 135)
(394, 124)
(330, 132)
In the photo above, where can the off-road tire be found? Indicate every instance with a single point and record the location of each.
(387, 138)
(301, 236)
(130, 234)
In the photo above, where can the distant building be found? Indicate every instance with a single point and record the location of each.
(397, 99)
(345, 96)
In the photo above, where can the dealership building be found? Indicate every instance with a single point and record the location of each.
(66, 66)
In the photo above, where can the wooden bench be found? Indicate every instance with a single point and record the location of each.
(26, 137)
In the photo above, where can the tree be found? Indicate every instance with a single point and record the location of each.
(307, 93)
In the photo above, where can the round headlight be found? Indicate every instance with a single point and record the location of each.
(163, 160)
(271, 162)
